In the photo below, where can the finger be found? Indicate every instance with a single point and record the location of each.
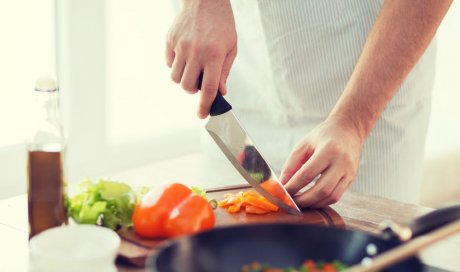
(336, 194)
(209, 87)
(226, 70)
(189, 81)
(322, 189)
(169, 54)
(177, 69)
(299, 155)
(315, 165)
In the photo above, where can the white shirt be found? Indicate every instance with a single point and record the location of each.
(294, 60)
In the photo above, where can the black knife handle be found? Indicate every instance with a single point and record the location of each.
(220, 105)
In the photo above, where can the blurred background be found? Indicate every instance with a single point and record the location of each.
(121, 111)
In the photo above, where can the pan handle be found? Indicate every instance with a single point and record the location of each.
(422, 225)
(434, 220)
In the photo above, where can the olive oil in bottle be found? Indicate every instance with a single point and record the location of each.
(45, 161)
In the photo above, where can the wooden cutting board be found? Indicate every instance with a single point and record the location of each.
(135, 249)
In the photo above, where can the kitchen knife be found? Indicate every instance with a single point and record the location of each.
(233, 140)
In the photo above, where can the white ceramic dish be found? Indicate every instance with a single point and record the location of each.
(74, 248)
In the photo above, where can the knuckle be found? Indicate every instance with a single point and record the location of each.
(334, 198)
(195, 48)
(302, 203)
(300, 146)
(308, 177)
(333, 148)
(352, 173)
(346, 158)
(213, 51)
(184, 45)
(287, 171)
(225, 73)
(324, 192)
(189, 87)
(210, 87)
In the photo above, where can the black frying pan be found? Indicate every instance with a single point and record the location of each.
(283, 245)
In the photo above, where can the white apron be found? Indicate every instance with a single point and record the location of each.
(294, 60)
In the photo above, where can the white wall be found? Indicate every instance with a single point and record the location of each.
(444, 130)
(441, 177)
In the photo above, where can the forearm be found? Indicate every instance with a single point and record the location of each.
(400, 35)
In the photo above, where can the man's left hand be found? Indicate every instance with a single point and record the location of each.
(332, 150)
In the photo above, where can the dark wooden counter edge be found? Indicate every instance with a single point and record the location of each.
(228, 188)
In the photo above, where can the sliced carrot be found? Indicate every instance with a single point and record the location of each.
(223, 203)
(235, 200)
(230, 200)
(256, 210)
(262, 203)
(250, 201)
(277, 190)
(250, 193)
(234, 208)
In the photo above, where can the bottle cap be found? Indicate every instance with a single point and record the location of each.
(46, 84)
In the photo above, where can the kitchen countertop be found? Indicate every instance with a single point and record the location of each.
(358, 211)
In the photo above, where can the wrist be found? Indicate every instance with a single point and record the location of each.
(350, 123)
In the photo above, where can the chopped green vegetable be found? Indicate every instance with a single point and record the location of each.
(213, 203)
(258, 176)
(198, 191)
(201, 192)
(141, 192)
(107, 203)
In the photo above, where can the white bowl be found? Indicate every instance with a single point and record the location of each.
(74, 248)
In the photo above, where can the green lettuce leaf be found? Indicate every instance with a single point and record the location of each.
(105, 202)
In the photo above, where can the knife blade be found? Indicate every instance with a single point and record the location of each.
(225, 129)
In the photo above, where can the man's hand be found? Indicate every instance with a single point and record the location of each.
(332, 150)
(202, 40)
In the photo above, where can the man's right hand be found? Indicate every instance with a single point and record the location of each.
(202, 39)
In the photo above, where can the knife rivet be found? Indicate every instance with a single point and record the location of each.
(371, 249)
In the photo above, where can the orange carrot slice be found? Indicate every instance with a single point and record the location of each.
(250, 201)
(262, 203)
(234, 208)
(255, 210)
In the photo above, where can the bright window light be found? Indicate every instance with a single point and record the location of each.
(26, 52)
